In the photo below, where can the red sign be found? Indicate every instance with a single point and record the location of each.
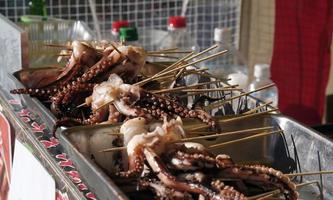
(5, 156)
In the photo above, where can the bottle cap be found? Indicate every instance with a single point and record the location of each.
(116, 25)
(222, 34)
(176, 22)
(128, 34)
(262, 70)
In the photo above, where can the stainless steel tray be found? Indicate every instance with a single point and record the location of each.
(274, 150)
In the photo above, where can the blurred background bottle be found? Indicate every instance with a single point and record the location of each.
(37, 7)
(178, 36)
(231, 65)
(129, 35)
(262, 77)
(116, 25)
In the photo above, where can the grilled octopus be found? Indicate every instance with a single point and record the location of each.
(133, 101)
(186, 170)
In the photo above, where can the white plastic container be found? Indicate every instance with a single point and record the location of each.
(230, 65)
(262, 78)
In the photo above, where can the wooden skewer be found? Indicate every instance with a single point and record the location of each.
(166, 69)
(234, 119)
(184, 87)
(214, 146)
(81, 105)
(210, 90)
(257, 108)
(311, 173)
(264, 195)
(167, 52)
(218, 104)
(115, 48)
(107, 103)
(226, 133)
(248, 115)
(163, 50)
(163, 56)
(202, 52)
(306, 183)
(193, 63)
(210, 147)
(186, 58)
(113, 149)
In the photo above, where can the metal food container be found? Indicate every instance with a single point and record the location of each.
(297, 150)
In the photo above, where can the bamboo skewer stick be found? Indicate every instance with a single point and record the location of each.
(107, 103)
(244, 139)
(184, 87)
(218, 104)
(248, 115)
(212, 146)
(192, 63)
(234, 119)
(81, 105)
(163, 56)
(169, 67)
(257, 108)
(306, 183)
(210, 90)
(311, 173)
(167, 52)
(226, 133)
(163, 50)
(203, 52)
(264, 195)
(115, 48)
(113, 149)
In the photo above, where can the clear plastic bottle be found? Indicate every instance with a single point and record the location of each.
(231, 65)
(129, 35)
(116, 25)
(178, 36)
(262, 78)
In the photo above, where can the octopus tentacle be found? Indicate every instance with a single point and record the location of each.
(228, 192)
(135, 165)
(64, 96)
(36, 92)
(159, 107)
(257, 173)
(163, 192)
(171, 181)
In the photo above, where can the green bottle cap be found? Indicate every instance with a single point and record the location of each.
(128, 34)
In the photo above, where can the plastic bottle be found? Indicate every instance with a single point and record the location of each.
(129, 35)
(231, 65)
(178, 36)
(116, 25)
(262, 78)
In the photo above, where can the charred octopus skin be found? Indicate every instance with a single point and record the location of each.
(188, 168)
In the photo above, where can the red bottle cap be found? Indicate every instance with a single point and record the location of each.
(177, 22)
(116, 25)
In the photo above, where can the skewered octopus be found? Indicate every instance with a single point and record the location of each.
(186, 170)
(86, 67)
(46, 83)
(134, 101)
